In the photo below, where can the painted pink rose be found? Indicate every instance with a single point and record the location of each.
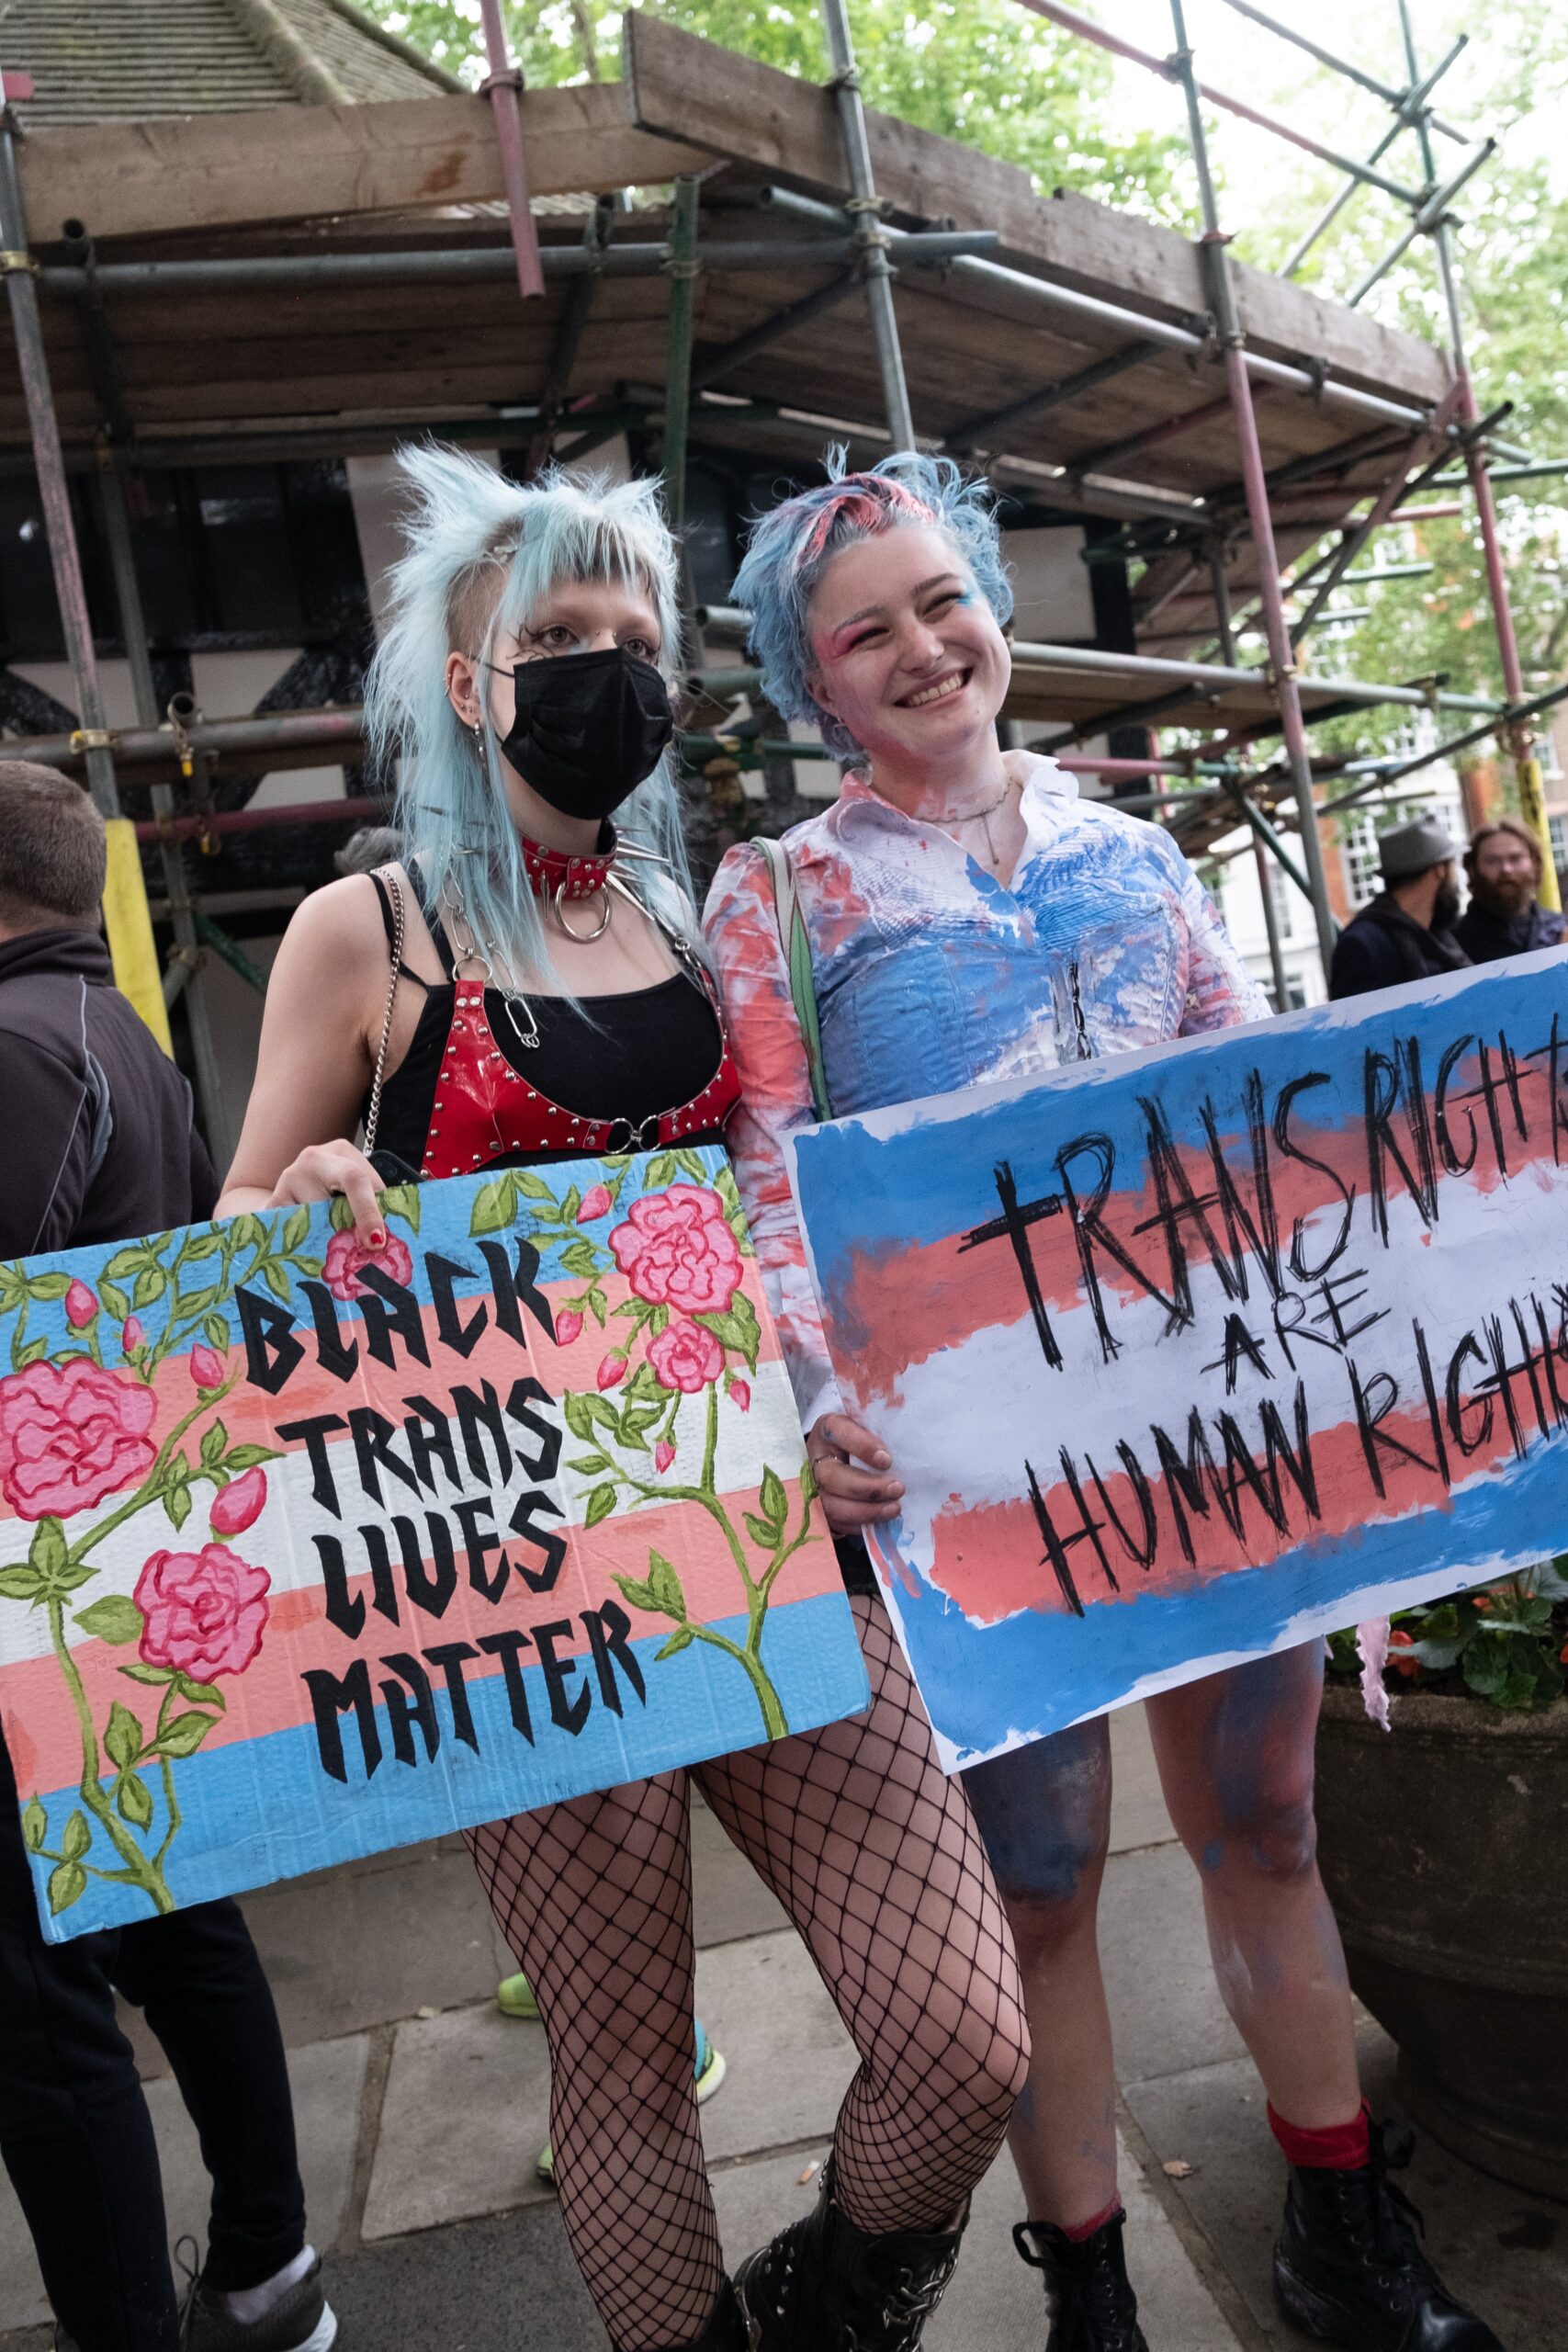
(676, 1250)
(568, 1326)
(208, 1368)
(741, 1394)
(663, 1455)
(612, 1371)
(132, 1335)
(347, 1257)
(596, 1203)
(70, 1434)
(80, 1306)
(239, 1504)
(685, 1356)
(205, 1611)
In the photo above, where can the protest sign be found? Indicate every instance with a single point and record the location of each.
(311, 1552)
(1190, 1354)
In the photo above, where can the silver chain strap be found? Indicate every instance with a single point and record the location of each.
(373, 1116)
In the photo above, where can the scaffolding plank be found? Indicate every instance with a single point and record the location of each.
(685, 88)
(295, 162)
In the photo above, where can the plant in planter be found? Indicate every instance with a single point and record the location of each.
(1440, 1847)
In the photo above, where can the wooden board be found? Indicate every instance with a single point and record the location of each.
(296, 163)
(687, 89)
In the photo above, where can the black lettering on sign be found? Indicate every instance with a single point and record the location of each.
(1257, 1228)
(453, 1333)
(333, 1695)
(344, 1609)
(512, 1287)
(410, 1707)
(607, 1628)
(507, 1648)
(481, 1538)
(427, 1433)
(1283, 1105)
(569, 1711)
(272, 1351)
(541, 1539)
(314, 1433)
(1013, 1225)
(1090, 1231)
(389, 1307)
(451, 1658)
(333, 1354)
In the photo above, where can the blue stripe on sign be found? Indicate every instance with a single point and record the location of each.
(1036, 1672)
(865, 1192)
(264, 1810)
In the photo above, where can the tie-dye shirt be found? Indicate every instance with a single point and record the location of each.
(931, 975)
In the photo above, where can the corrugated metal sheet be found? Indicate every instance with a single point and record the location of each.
(97, 61)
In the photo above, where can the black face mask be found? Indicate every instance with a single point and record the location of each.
(589, 728)
(1445, 907)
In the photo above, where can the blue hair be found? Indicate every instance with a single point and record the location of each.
(482, 554)
(789, 549)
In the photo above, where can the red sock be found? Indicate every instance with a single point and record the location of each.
(1083, 2229)
(1330, 2147)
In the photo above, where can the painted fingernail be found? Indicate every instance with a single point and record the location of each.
(378, 1238)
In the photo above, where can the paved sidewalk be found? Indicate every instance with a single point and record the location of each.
(422, 2109)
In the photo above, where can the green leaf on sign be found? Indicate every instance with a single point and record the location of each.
(579, 1420)
(35, 1826)
(153, 1674)
(495, 1206)
(690, 1165)
(151, 1283)
(761, 1535)
(123, 1739)
(276, 1281)
(134, 1801)
(20, 1584)
(658, 1322)
(129, 1260)
(665, 1586)
(809, 1490)
(30, 1352)
(596, 1306)
(114, 1300)
(47, 1551)
(185, 1734)
(643, 1387)
(44, 1286)
(213, 1442)
(681, 1639)
(773, 1500)
(601, 1503)
(200, 1694)
(402, 1199)
(571, 1205)
(77, 1839)
(534, 1186)
(202, 1245)
(588, 1465)
(216, 1332)
(116, 1618)
(660, 1170)
(582, 1259)
(339, 1216)
(176, 1503)
(245, 1457)
(66, 1886)
(295, 1229)
(637, 1594)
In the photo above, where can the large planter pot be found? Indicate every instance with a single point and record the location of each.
(1444, 1846)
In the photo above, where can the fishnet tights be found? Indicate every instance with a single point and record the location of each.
(875, 1854)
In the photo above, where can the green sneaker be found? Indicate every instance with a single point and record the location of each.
(711, 2070)
(514, 1998)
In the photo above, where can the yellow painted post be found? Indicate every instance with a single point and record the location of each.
(1532, 807)
(129, 921)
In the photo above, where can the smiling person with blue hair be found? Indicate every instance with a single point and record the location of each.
(969, 919)
(523, 986)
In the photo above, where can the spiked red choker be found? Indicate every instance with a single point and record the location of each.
(554, 874)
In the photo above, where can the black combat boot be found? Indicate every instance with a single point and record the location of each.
(1348, 2269)
(725, 2330)
(1092, 2306)
(824, 2286)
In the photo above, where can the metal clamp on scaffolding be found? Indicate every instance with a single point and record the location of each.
(11, 261)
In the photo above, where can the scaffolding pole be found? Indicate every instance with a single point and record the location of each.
(1527, 766)
(1282, 654)
(184, 968)
(49, 462)
(504, 85)
(865, 206)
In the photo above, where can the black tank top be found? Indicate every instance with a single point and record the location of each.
(626, 1056)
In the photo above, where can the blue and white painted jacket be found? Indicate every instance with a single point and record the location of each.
(931, 976)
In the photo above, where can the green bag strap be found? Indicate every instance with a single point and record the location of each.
(796, 944)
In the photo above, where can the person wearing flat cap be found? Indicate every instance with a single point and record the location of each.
(1406, 933)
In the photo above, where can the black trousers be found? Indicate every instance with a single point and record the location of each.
(75, 2131)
